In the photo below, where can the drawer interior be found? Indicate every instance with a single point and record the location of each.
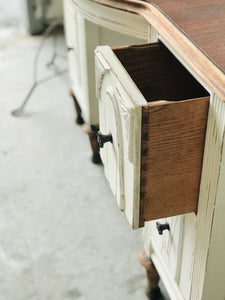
(158, 74)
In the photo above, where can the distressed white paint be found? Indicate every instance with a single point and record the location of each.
(188, 241)
(113, 19)
(120, 101)
(190, 259)
(169, 243)
(208, 270)
(200, 258)
(166, 251)
(178, 263)
(214, 287)
(175, 249)
(75, 39)
(202, 245)
(171, 285)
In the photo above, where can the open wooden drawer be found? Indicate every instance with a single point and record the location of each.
(153, 117)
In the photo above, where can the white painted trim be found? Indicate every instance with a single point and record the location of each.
(101, 68)
(119, 147)
(211, 176)
(214, 285)
(130, 101)
(114, 19)
(119, 72)
(169, 282)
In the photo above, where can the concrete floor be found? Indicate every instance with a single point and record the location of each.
(62, 235)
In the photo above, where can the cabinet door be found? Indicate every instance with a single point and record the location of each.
(169, 243)
(121, 118)
(112, 152)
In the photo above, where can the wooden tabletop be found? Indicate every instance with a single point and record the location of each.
(203, 21)
(194, 29)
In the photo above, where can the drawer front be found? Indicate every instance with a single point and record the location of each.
(112, 153)
(156, 113)
(173, 251)
(169, 243)
(120, 118)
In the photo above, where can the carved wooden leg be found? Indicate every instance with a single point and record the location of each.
(153, 291)
(92, 133)
(79, 119)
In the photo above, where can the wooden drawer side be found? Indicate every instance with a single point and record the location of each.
(173, 137)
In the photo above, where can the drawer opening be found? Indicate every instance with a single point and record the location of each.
(158, 74)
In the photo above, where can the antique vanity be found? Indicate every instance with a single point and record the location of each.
(161, 126)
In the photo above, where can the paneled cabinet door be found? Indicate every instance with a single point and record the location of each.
(169, 242)
(112, 151)
(118, 116)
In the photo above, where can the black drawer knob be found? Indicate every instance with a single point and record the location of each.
(69, 48)
(103, 138)
(161, 227)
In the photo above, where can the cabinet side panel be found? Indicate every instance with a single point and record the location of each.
(214, 285)
(173, 137)
(209, 266)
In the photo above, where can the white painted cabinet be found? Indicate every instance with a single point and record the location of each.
(170, 242)
(120, 107)
(174, 253)
(88, 25)
(190, 256)
(119, 117)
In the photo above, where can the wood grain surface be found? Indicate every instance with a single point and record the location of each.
(203, 21)
(173, 137)
(173, 130)
(194, 29)
(158, 74)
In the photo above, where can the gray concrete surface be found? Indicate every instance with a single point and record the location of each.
(62, 235)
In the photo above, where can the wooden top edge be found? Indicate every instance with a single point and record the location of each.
(192, 54)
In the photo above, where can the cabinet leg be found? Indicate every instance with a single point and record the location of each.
(153, 291)
(79, 119)
(92, 133)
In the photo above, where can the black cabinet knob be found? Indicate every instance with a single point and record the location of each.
(69, 48)
(103, 138)
(161, 227)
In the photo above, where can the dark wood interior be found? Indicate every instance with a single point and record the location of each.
(158, 74)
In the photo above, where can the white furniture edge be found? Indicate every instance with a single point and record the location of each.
(113, 18)
(105, 54)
